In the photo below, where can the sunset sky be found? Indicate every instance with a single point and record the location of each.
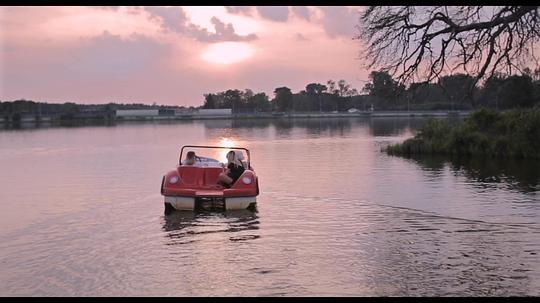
(172, 55)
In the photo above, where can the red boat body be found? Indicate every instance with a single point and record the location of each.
(187, 186)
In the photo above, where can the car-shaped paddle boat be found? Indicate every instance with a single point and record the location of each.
(195, 187)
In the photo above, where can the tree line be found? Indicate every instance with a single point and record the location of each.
(15, 110)
(456, 92)
(334, 96)
(382, 92)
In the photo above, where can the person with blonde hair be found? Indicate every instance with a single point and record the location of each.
(234, 170)
(240, 157)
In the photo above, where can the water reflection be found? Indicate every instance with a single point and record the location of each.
(251, 123)
(27, 125)
(332, 126)
(312, 126)
(378, 126)
(518, 174)
(363, 223)
(182, 227)
(283, 127)
(383, 126)
(218, 123)
(465, 256)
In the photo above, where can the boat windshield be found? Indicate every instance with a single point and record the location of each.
(205, 161)
(213, 156)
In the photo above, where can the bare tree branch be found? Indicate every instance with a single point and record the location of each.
(431, 41)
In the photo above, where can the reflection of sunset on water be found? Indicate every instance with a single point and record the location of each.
(225, 142)
(328, 195)
(219, 154)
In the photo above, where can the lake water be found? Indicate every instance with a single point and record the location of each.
(81, 215)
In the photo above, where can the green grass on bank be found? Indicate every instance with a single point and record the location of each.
(485, 132)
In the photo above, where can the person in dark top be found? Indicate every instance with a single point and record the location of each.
(240, 158)
(233, 172)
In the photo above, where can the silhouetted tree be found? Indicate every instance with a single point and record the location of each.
(410, 40)
(209, 101)
(332, 87)
(516, 91)
(383, 89)
(458, 89)
(259, 102)
(232, 99)
(283, 99)
(314, 92)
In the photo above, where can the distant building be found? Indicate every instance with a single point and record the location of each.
(137, 112)
(27, 117)
(215, 112)
(92, 114)
(93, 108)
(184, 111)
(166, 112)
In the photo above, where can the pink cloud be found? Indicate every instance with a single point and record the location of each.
(339, 21)
(244, 10)
(175, 19)
(274, 13)
(302, 12)
(97, 55)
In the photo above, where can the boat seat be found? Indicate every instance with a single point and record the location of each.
(211, 175)
(199, 177)
(190, 175)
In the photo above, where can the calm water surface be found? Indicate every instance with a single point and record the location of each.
(81, 215)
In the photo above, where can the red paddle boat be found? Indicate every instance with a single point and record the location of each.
(195, 187)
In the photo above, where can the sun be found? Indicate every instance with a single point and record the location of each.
(227, 52)
(225, 142)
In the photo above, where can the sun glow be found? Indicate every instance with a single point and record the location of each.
(225, 142)
(227, 52)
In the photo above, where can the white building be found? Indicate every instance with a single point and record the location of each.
(137, 112)
(215, 112)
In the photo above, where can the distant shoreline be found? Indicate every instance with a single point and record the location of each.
(266, 115)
